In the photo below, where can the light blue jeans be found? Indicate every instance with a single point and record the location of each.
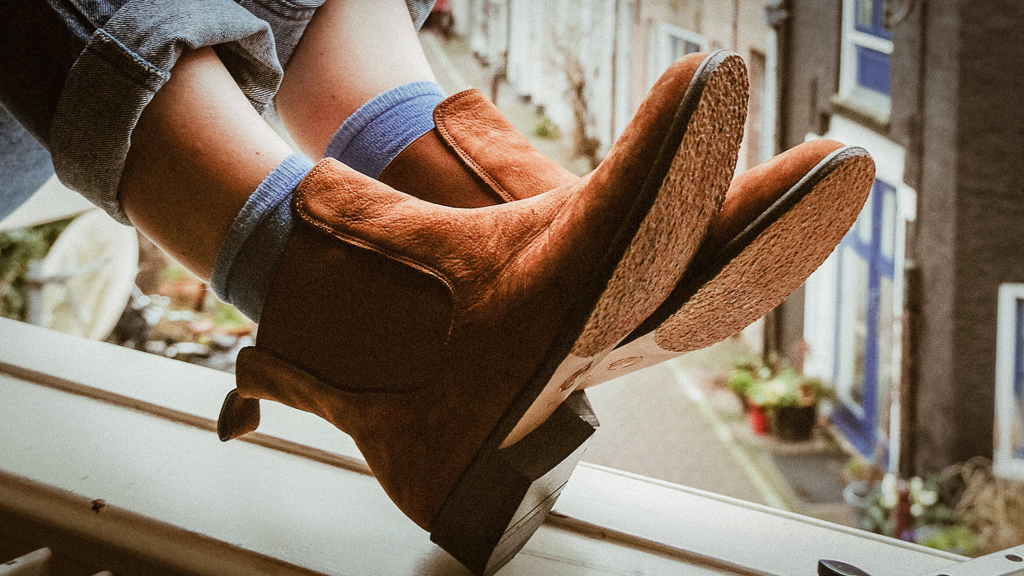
(76, 75)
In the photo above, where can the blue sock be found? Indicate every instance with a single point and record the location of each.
(251, 250)
(380, 129)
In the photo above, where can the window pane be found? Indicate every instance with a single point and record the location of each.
(680, 47)
(853, 326)
(1017, 424)
(869, 17)
(886, 369)
(888, 222)
(873, 70)
(863, 223)
(865, 15)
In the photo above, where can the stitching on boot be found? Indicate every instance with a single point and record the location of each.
(442, 128)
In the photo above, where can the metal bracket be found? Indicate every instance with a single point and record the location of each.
(1009, 562)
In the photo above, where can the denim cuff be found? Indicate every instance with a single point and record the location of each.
(130, 57)
(123, 66)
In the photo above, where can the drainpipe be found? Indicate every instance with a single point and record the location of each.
(913, 282)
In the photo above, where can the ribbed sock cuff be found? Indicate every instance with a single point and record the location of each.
(380, 129)
(252, 248)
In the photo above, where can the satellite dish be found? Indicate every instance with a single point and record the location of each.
(87, 277)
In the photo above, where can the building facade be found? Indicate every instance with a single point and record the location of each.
(593, 61)
(903, 317)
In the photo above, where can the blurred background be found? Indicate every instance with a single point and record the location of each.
(886, 393)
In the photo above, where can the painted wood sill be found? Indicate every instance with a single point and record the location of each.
(83, 422)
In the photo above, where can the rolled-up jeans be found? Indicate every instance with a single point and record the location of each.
(77, 74)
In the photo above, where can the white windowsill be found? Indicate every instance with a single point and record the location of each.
(83, 420)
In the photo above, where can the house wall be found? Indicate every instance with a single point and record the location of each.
(544, 38)
(964, 131)
(987, 203)
(736, 25)
(613, 41)
(809, 42)
(810, 68)
(957, 72)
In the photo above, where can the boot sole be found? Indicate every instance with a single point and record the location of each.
(506, 494)
(756, 271)
(495, 506)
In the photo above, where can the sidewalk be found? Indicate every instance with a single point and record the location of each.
(667, 422)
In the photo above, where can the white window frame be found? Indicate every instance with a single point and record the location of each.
(851, 39)
(1006, 342)
(84, 420)
(660, 57)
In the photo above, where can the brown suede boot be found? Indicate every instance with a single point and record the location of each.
(448, 342)
(780, 221)
(477, 158)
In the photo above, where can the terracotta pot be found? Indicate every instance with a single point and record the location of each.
(794, 423)
(760, 423)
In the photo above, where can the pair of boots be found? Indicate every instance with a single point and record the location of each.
(447, 315)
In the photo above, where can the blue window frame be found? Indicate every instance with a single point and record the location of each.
(867, 50)
(864, 333)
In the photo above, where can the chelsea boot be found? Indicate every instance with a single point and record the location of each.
(448, 342)
(802, 202)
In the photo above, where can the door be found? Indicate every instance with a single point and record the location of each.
(864, 348)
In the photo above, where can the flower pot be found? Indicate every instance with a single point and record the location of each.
(760, 423)
(794, 423)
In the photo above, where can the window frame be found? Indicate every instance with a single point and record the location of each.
(1009, 374)
(659, 58)
(859, 420)
(606, 520)
(853, 38)
(821, 307)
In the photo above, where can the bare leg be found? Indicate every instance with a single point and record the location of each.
(197, 153)
(351, 51)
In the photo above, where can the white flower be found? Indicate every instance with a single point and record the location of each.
(916, 510)
(921, 496)
(927, 497)
(916, 485)
(888, 489)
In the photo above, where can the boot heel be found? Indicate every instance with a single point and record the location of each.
(505, 495)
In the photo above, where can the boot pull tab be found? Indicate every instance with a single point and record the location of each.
(238, 416)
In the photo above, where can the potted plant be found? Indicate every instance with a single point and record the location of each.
(745, 381)
(911, 510)
(792, 401)
(780, 400)
(742, 380)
